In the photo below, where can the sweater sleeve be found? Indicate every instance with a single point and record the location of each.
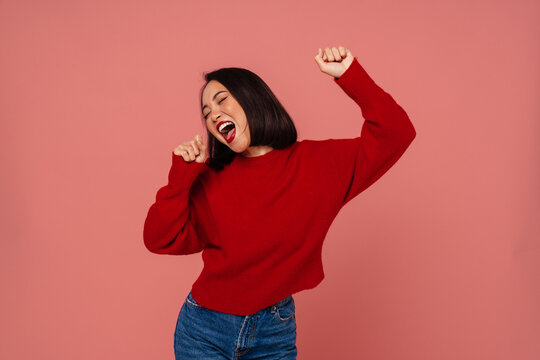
(386, 133)
(169, 227)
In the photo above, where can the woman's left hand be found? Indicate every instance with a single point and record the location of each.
(334, 61)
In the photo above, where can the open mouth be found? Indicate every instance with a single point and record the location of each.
(228, 130)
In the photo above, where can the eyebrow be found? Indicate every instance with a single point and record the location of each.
(213, 98)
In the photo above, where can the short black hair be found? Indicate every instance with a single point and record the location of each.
(268, 121)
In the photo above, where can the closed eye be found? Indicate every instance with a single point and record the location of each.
(219, 102)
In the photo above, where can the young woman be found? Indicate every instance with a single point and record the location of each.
(258, 204)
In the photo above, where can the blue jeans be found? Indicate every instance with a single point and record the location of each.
(202, 333)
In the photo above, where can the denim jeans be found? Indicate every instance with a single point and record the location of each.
(202, 333)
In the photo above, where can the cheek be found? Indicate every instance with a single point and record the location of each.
(235, 108)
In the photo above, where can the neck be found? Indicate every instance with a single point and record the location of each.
(256, 150)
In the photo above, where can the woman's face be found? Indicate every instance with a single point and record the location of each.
(223, 112)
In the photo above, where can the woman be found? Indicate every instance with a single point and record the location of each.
(258, 204)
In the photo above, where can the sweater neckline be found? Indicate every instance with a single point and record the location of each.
(260, 159)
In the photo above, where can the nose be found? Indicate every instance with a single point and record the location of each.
(215, 117)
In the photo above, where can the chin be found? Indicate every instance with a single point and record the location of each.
(238, 151)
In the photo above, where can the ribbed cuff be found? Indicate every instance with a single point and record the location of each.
(183, 172)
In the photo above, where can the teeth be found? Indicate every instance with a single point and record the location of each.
(223, 125)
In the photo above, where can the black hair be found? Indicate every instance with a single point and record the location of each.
(268, 121)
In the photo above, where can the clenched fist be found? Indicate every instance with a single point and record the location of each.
(334, 61)
(192, 150)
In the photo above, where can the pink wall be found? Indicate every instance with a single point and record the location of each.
(437, 260)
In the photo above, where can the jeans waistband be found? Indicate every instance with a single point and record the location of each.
(283, 301)
(271, 307)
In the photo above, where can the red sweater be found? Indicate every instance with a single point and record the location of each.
(260, 222)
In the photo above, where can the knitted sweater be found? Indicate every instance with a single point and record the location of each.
(260, 222)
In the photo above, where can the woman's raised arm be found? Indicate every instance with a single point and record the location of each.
(386, 133)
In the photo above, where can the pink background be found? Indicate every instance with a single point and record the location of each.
(437, 260)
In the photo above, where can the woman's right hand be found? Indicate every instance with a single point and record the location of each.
(192, 150)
